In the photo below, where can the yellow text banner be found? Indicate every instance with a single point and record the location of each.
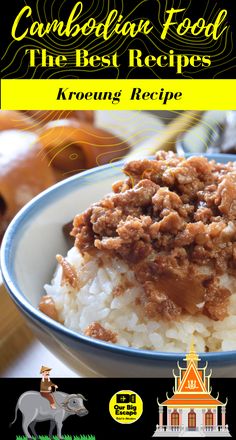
(118, 94)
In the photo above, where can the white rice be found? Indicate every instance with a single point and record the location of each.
(95, 302)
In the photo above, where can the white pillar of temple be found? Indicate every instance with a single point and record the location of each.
(223, 417)
(215, 418)
(169, 417)
(160, 416)
(180, 417)
(203, 418)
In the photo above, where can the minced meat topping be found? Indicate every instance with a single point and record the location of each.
(173, 220)
(97, 331)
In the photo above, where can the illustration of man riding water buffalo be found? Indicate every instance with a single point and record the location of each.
(48, 405)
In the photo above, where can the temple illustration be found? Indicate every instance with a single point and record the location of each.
(192, 411)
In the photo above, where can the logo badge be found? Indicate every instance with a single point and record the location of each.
(126, 406)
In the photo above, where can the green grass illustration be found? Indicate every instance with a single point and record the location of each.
(54, 437)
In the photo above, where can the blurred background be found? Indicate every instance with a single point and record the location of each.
(40, 148)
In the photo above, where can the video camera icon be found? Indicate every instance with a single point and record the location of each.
(125, 398)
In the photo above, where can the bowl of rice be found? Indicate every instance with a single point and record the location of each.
(148, 263)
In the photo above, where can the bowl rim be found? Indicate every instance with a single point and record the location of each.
(10, 241)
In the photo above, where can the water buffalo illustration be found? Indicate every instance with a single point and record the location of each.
(35, 408)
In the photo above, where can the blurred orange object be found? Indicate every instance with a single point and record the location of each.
(45, 116)
(13, 120)
(22, 173)
(71, 146)
(38, 148)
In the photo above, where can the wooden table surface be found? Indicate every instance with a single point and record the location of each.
(21, 354)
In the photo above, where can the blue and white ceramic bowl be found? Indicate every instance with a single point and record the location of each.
(28, 252)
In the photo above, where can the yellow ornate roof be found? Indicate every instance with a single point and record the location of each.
(192, 355)
(192, 385)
